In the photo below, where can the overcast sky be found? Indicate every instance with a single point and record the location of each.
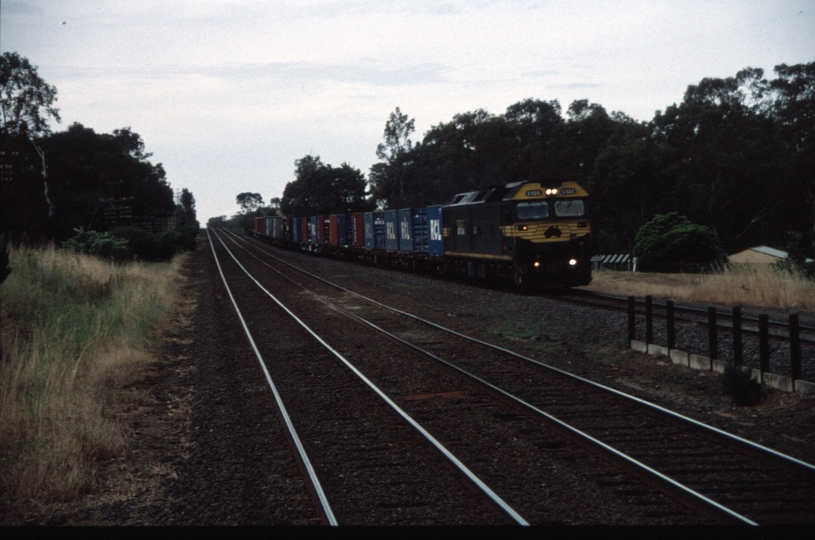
(227, 94)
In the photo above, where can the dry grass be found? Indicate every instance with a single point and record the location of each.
(73, 335)
(753, 285)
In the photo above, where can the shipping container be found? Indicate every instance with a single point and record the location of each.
(358, 227)
(341, 230)
(435, 240)
(413, 230)
(297, 229)
(391, 230)
(304, 230)
(312, 230)
(259, 225)
(374, 230)
(346, 230)
(333, 230)
(323, 231)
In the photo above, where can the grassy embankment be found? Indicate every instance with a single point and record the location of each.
(760, 285)
(73, 337)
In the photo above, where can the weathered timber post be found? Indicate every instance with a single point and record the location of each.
(795, 349)
(712, 335)
(737, 351)
(669, 318)
(763, 344)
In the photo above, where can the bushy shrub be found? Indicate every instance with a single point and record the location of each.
(796, 261)
(100, 244)
(184, 237)
(124, 243)
(739, 385)
(163, 246)
(671, 239)
(142, 244)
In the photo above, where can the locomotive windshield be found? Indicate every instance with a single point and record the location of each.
(532, 210)
(569, 208)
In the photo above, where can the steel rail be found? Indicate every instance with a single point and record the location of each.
(652, 406)
(702, 312)
(622, 299)
(700, 502)
(325, 507)
(705, 505)
(497, 500)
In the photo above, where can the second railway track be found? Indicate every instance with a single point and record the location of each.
(701, 463)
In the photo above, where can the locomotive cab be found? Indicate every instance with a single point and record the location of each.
(535, 235)
(550, 234)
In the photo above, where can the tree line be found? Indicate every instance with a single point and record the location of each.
(54, 184)
(736, 155)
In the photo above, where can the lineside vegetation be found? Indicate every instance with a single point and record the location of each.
(74, 334)
(760, 285)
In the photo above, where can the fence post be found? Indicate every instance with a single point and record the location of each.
(737, 352)
(649, 321)
(712, 334)
(669, 317)
(632, 326)
(795, 349)
(763, 345)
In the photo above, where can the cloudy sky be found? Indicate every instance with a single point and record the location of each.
(227, 94)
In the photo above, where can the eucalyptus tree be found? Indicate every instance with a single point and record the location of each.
(26, 104)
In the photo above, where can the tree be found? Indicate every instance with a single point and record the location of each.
(322, 189)
(397, 136)
(26, 103)
(794, 109)
(97, 177)
(720, 153)
(188, 206)
(249, 202)
(388, 177)
(26, 100)
(671, 239)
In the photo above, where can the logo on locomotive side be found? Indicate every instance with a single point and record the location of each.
(435, 229)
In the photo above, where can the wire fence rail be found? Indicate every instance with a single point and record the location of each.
(739, 326)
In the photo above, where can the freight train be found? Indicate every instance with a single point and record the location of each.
(529, 234)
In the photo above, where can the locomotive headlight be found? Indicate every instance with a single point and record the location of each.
(572, 262)
(537, 263)
(551, 192)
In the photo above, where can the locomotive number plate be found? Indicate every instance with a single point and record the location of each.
(533, 193)
(567, 191)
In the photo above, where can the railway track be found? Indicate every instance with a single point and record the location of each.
(711, 465)
(342, 459)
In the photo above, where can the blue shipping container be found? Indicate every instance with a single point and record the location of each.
(435, 240)
(374, 230)
(391, 230)
(297, 229)
(413, 230)
(313, 230)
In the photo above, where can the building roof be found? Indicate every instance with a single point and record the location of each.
(764, 250)
(770, 251)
